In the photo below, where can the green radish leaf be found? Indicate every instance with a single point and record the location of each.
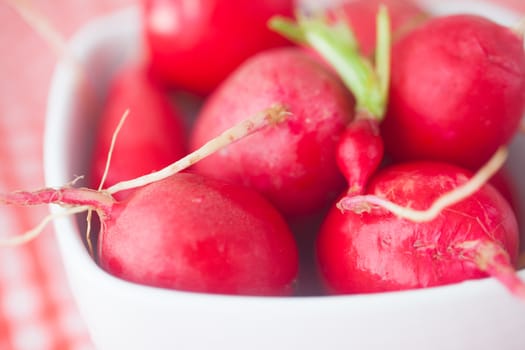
(336, 43)
(287, 28)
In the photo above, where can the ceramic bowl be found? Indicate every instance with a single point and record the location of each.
(121, 315)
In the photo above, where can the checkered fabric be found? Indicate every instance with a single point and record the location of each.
(37, 311)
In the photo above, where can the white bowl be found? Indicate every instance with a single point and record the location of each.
(120, 315)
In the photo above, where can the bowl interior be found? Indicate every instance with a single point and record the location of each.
(333, 322)
(76, 98)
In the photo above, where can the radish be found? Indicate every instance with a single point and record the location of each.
(154, 132)
(209, 236)
(361, 17)
(360, 149)
(366, 248)
(292, 164)
(457, 91)
(194, 45)
(185, 231)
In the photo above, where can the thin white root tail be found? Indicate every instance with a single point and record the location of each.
(89, 243)
(272, 115)
(356, 203)
(494, 259)
(35, 232)
(104, 177)
(112, 147)
(79, 200)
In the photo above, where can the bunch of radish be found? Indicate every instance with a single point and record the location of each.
(381, 122)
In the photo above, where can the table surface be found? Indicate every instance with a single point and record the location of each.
(36, 307)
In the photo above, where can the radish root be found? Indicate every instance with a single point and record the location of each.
(494, 260)
(103, 180)
(79, 200)
(361, 203)
(270, 116)
(35, 232)
(112, 147)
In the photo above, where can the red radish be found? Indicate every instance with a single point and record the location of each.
(209, 236)
(360, 149)
(185, 231)
(457, 90)
(361, 17)
(375, 250)
(152, 137)
(360, 153)
(188, 232)
(292, 164)
(195, 44)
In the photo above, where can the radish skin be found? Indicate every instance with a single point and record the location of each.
(154, 132)
(200, 235)
(293, 164)
(375, 250)
(457, 91)
(194, 45)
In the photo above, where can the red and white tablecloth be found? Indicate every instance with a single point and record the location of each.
(36, 307)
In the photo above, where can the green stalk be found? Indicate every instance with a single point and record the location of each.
(382, 57)
(336, 43)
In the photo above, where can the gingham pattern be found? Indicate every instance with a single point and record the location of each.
(37, 311)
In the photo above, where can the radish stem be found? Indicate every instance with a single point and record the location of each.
(65, 196)
(336, 43)
(363, 202)
(77, 200)
(382, 56)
